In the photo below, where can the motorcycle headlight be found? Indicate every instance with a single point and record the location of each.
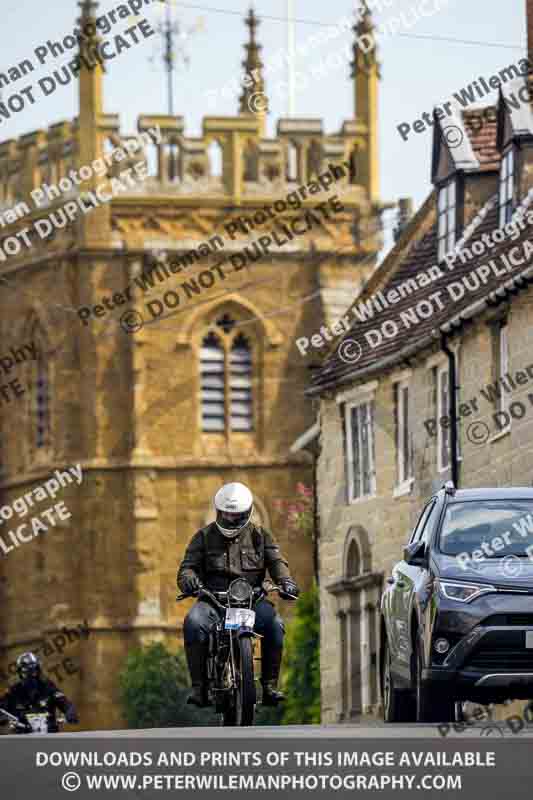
(240, 591)
(463, 592)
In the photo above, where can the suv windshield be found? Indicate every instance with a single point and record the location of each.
(496, 527)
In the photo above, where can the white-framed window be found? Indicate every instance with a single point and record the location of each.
(507, 173)
(360, 449)
(404, 463)
(503, 364)
(440, 381)
(447, 219)
(443, 410)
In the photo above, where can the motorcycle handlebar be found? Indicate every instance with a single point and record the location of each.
(262, 590)
(10, 717)
(203, 592)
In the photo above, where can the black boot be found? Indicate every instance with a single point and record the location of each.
(198, 697)
(271, 664)
(197, 663)
(271, 696)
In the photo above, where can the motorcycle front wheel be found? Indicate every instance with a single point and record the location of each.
(242, 704)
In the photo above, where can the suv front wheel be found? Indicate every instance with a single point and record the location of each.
(431, 706)
(397, 706)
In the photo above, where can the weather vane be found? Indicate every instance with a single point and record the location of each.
(171, 48)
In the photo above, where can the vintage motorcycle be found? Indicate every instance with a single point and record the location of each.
(39, 723)
(232, 642)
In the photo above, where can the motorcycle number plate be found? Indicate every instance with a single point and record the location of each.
(529, 640)
(38, 722)
(239, 618)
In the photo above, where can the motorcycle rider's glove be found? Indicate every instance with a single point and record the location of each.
(71, 716)
(191, 584)
(23, 727)
(288, 587)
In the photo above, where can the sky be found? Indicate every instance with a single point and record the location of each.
(422, 65)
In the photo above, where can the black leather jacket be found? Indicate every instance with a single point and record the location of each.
(217, 560)
(40, 697)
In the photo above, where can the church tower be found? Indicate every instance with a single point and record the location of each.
(166, 321)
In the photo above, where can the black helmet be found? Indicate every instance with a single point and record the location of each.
(28, 666)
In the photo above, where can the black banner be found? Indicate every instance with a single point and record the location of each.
(311, 766)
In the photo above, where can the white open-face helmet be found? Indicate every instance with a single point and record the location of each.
(234, 506)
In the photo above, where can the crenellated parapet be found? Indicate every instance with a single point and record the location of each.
(233, 159)
(233, 163)
(230, 159)
(189, 184)
(43, 156)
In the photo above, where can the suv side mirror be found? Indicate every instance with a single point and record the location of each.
(415, 554)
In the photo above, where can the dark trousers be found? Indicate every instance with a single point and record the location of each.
(201, 619)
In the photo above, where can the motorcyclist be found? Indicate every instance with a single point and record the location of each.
(35, 694)
(229, 548)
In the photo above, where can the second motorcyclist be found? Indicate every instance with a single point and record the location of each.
(35, 694)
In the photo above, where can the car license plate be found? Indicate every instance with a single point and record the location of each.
(529, 640)
(38, 722)
(239, 618)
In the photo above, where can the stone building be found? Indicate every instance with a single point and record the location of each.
(447, 315)
(160, 415)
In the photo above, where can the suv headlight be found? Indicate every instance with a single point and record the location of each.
(463, 592)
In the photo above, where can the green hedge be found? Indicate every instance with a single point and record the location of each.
(302, 662)
(154, 684)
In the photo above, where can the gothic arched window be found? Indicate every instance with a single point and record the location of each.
(40, 392)
(353, 560)
(212, 383)
(240, 385)
(226, 374)
(42, 404)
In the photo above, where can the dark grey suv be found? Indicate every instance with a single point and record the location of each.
(457, 612)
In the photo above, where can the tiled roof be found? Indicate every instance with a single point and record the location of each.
(481, 126)
(335, 370)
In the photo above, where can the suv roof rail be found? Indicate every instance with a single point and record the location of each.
(448, 487)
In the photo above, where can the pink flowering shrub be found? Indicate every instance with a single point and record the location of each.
(298, 512)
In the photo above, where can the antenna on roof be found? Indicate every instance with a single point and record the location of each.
(290, 57)
(172, 48)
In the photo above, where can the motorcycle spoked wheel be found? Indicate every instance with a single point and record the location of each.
(241, 706)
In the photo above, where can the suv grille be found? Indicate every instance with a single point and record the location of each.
(506, 620)
(503, 659)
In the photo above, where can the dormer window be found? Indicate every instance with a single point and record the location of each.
(507, 187)
(447, 219)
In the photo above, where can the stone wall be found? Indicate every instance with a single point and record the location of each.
(505, 459)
